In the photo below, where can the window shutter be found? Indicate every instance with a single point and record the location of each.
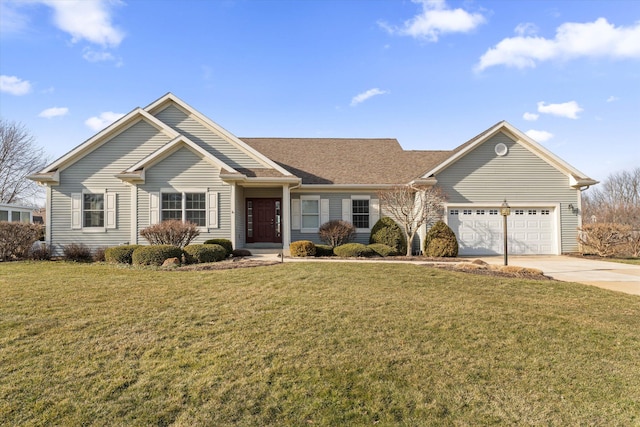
(375, 212)
(212, 213)
(76, 211)
(295, 214)
(324, 211)
(346, 210)
(111, 210)
(154, 208)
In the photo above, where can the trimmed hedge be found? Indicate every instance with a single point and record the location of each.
(388, 232)
(225, 243)
(120, 254)
(196, 254)
(302, 248)
(324, 250)
(440, 241)
(155, 254)
(351, 250)
(383, 250)
(241, 253)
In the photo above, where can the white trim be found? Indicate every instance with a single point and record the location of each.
(133, 238)
(285, 216)
(361, 197)
(47, 235)
(296, 217)
(232, 218)
(154, 207)
(76, 211)
(212, 209)
(110, 210)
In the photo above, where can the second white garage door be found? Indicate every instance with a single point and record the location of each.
(531, 231)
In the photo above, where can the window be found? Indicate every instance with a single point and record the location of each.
(493, 211)
(479, 211)
(453, 212)
(185, 207)
(93, 210)
(4, 215)
(310, 212)
(544, 211)
(519, 211)
(360, 213)
(466, 212)
(15, 216)
(532, 212)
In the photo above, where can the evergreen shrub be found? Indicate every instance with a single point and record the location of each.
(388, 232)
(155, 254)
(440, 241)
(302, 248)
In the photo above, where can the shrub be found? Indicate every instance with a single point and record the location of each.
(172, 232)
(336, 232)
(302, 248)
(350, 250)
(241, 252)
(204, 253)
(40, 252)
(16, 239)
(606, 239)
(440, 241)
(388, 232)
(120, 254)
(225, 243)
(324, 250)
(155, 254)
(633, 243)
(383, 250)
(99, 255)
(77, 252)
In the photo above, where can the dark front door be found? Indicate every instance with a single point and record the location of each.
(263, 221)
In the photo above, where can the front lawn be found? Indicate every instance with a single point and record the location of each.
(311, 344)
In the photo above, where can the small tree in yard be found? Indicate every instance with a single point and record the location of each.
(337, 232)
(172, 232)
(606, 239)
(413, 206)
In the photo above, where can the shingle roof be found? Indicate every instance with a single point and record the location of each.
(347, 161)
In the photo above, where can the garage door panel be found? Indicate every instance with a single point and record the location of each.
(531, 231)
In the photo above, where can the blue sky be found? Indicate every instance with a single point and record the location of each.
(432, 74)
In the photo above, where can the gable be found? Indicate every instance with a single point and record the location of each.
(182, 169)
(484, 176)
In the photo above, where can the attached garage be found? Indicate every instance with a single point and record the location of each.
(530, 230)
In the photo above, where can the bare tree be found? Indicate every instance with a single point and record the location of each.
(616, 200)
(19, 157)
(412, 206)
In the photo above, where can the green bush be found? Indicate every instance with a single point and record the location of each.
(120, 254)
(196, 254)
(350, 250)
(302, 248)
(440, 241)
(77, 252)
(324, 250)
(225, 243)
(388, 232)
(155, 254)
(383, 250)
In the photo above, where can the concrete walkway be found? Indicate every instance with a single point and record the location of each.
(604, 274)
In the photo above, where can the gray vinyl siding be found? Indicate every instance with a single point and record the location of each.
(240, 217)
(483, 177)
(96, 172)
(335, 212)
(207, 139)
(185, 171)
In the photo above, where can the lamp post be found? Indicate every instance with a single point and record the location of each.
(505, 211)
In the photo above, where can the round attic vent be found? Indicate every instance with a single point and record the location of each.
(501, 149)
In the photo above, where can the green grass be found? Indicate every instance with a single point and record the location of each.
(311, 344)
(633, 261)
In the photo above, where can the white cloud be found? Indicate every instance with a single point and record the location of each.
(88, 20)
(569, 109)
(14, 85)
(54, 112)
(95, 56)
(598, 39)
(532, 117)
(436, 19)
(612, 98)
(526, 29)
(539, 135)
(11, 20)
(103, 120)
(361, 97)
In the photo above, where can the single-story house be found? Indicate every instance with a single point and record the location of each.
(168, 161)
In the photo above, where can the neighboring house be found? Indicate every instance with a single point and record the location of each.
(169, 161)
(15, 213)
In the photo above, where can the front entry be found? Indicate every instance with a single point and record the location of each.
(263, 223)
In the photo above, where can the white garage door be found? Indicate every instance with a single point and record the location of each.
(479, 230)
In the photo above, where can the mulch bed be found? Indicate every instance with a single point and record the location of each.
(227, 264)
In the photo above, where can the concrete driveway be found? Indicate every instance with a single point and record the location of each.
(608, 275)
